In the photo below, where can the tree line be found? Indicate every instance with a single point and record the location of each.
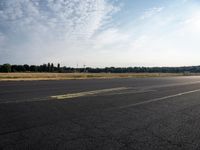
(50, 67)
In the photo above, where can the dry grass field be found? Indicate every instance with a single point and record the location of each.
(65, 76)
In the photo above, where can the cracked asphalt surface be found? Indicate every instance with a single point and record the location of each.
(118, 120)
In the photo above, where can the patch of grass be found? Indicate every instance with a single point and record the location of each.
(65, 76)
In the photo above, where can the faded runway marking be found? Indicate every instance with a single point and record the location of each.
(158, 99)
(88, 93)
(135, 91)
(26, 101)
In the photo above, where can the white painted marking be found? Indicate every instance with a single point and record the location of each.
(130, 92)
(167, 85)
(159, 99)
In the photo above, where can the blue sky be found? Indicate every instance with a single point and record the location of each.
(100, 33)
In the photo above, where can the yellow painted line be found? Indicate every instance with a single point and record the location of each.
(87, 93)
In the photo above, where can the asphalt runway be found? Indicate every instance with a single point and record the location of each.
(101, 114)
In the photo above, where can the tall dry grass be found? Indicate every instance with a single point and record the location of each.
(64, 76)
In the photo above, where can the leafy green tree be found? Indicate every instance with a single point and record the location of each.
(27, 68)
(52, 67)
(6, 68)
(33, 68)
(58, 66)
(49, 67)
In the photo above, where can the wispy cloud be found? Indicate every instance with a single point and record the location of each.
(61, 23)
(68, 19)
(100, 32)
(151, 12)
(169, 38)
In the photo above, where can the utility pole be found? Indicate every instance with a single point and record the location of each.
(84, 66)
(77, 67)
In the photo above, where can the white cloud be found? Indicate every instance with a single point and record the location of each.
(82, 31)
(68, 19)
(192, 23)
(151, 12)
(41, 27)
(109, 38)
(167, 40)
